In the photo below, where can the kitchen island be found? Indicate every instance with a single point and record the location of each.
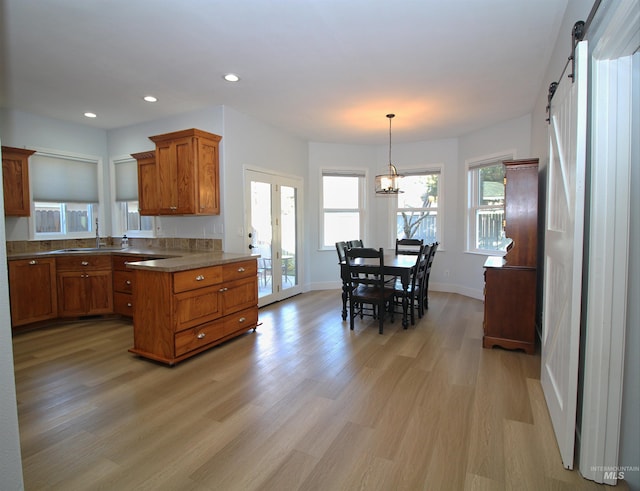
(186, 305)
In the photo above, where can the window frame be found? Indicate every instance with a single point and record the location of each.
(431, 169)
(472, 167)
(96, 210)
(119, 222)
(361, 174)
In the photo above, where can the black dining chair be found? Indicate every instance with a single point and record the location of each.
(412, 297)
(355, 243)
(408, 246)
(366, 287)
(425, 280)
(341, 248)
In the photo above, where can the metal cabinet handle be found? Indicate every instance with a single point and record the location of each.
(129, 304)
(223, 289)
(85, 263)
(199, 277)
(201, 335)
(33, 262)
(240, 270)
(241, 320)
(128, 282)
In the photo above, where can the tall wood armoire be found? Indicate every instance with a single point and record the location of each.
(510, 281)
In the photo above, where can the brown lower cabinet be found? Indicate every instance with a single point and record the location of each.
(32, 291)
(509, 307)
(85, 285)
(194, 310)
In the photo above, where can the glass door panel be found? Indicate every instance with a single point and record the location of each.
(273, 211)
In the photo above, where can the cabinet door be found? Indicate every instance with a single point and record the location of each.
(148, 199)
(71, 294)
(176, 183)
(208, 172)
(84, 293)
(32, 289)
(15, 181)
(99, 292)
(239, 295)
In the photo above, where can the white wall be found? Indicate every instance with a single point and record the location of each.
(10, 462)
(509, 137)
(252, 144)
(122, 142)
(24, 130)
(453, 269)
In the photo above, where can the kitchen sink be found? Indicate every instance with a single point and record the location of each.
(89, 249)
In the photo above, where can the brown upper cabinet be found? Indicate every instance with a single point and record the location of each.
(15, 181)
(182, 177)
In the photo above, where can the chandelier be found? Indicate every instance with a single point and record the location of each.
(389, 183)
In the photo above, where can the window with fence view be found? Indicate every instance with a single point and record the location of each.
(486, 208)
(417, 212)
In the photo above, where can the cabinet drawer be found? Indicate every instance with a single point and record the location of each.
(243, 320)
(80, 263)
(236, 271)
(196, 278)
(123, 304)
(197, 307)
(120, 262)
(197, 337)
(123, 281)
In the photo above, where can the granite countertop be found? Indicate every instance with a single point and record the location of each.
(167, 260)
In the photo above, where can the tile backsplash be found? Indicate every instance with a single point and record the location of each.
(204, 245)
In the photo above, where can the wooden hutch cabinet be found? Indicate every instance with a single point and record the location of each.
(511, 282)
(15, 181)
(182, 176)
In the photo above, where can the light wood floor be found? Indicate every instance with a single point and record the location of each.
(303, 403)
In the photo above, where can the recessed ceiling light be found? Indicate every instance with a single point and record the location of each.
(231, 77)
(91, 115)
(150, 98)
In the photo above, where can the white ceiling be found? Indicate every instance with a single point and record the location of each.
(325, 70)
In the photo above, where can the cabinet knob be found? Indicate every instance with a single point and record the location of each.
(128, 282)
(33, 262)
(241, 320)
(129, 304)
(201, 335)
(199, 277)
(240, 270)
(85, 263)
(223, 289)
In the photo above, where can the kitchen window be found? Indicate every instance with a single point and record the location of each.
(342, 207)
(65, 196)
(127, 219)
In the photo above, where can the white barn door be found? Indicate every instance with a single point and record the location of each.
(563, 253)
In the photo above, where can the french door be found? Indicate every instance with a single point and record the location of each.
(563, 253)
(274, 218)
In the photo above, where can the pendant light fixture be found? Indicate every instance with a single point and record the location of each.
(389, 183)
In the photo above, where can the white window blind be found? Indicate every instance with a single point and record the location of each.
(126, 179)
(63, 179)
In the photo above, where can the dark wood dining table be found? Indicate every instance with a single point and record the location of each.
(400, 265)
